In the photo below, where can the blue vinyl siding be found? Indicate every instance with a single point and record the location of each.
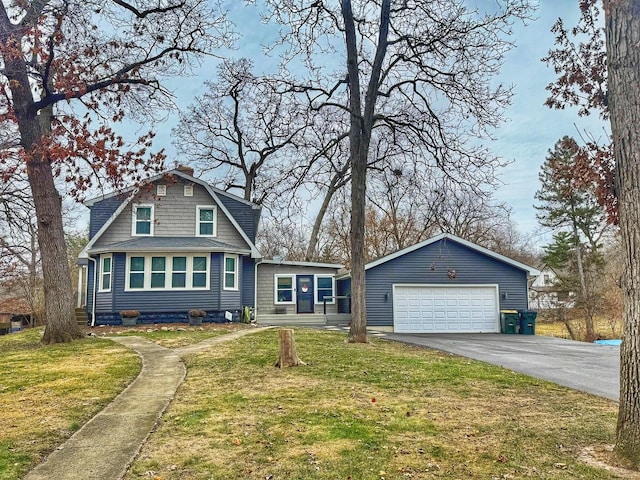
(90, 269)
(165, 300)
(247, 281)
(101, 212)
(431, 265)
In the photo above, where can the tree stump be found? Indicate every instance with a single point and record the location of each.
(288, 354)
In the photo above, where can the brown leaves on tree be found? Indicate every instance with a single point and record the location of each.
(580, 61)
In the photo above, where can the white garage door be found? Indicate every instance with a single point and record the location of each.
(438, 309)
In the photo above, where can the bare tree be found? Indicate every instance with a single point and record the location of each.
(20, 266)
(242, 130)
(417, 72)
(108, 58)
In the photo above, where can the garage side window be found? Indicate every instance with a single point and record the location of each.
(284, 289)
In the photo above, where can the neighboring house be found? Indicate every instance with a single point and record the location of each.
(442, 285)
(174, 244)
(13, 309)
(545, 293)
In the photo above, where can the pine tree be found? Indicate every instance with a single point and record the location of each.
(568, 205)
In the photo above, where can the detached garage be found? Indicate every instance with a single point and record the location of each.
(443, 285)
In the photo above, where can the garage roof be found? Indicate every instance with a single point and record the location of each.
(444, 236)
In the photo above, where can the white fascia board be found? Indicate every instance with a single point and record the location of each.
(303, 264)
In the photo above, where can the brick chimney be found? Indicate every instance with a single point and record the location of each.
(185, 169)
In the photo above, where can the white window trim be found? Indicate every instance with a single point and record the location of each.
(235, 272)
(167, 273)
(101, 276)
(293, 289)
(188, 191)
(161, 190)
(134, 219)
(215, 220)
(315, 288)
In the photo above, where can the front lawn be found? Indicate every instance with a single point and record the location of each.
(375, 411)
(48, 392)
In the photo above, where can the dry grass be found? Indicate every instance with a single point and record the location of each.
(605, 327)
(48, 392)
(172, 335)
(376, 411)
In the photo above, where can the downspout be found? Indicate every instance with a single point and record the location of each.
(93, 294)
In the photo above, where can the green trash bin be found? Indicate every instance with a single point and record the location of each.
(527, 321)
(509, 321)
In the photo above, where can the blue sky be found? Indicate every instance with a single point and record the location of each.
(530, 131)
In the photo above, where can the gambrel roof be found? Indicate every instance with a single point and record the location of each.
(220, 198)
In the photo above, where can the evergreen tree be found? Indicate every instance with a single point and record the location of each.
(568, 205)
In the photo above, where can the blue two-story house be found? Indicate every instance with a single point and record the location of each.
(173, 244)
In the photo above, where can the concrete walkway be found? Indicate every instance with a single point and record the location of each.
(105, 447)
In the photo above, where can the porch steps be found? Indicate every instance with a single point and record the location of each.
(81, 317)
(302, 320)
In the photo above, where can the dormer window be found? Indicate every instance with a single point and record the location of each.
(206, 221)
(142, 224)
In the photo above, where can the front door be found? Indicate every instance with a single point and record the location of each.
(304, 293)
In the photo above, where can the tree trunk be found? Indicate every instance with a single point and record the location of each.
(361, 123)
(358, 330)
(622, 28)
(288, 353)
(586, 300)
(59, 305)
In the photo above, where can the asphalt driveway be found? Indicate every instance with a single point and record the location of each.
(582, 366)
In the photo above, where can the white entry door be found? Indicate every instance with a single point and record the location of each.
(445, 309)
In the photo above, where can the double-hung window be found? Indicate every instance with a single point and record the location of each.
(158, 272)
(230, 272)
(199, 275)
(142, 224)
(284, 289)
(324, 288)
(179, 272)
(105, 273)
(136, 272)
(206, 221)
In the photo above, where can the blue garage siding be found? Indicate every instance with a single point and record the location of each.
(432, 264)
